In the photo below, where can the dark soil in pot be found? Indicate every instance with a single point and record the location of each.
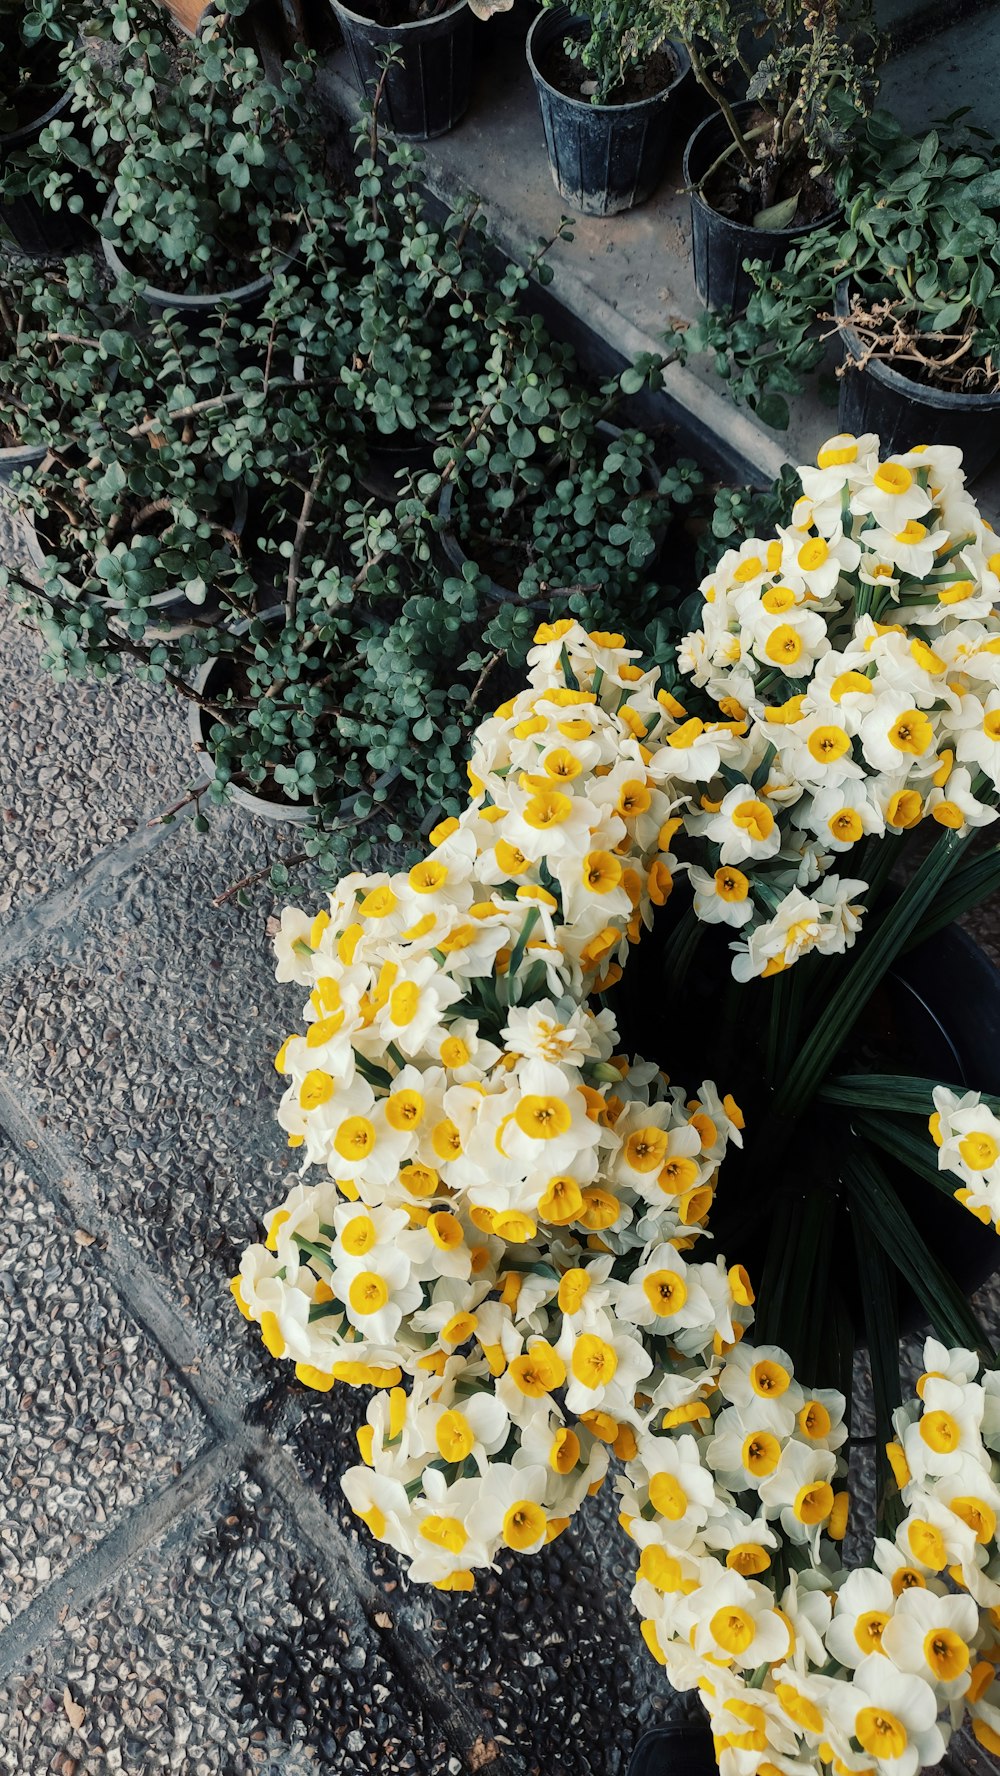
(568, 75)
(722, 230)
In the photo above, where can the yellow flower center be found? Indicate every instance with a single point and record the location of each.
(731, 884)
(524, 1525)
(665, 1291)
(543, 1119)
(733, 1630)
(754, 818)
(594, 1361)
(783, 645)
(359, 1235)
(667, 1495)
(911, 732)
(877, 1731)
(946, 1654)
(892, 477)
(368, 1293)
(444, 1532)
(868, 1630)
(761, 1453)
(355, 1138)
(602, 871)
(769, 1380)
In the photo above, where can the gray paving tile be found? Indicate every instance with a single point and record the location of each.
(140, 1033)
(546, 1649)
(220, 1653)
(81, 765)
(92, 1420)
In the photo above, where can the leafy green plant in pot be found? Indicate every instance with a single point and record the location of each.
(560, 508)
(912, 283)
(33, 93)
(204, 164)
(418, 56)
(759, 168)
(56, 356)
(423, 328)
(607, 79)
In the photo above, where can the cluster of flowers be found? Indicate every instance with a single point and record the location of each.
(508, 1209)
(966, 1132)
(859, 649)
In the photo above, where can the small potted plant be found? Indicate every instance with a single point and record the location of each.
(759, 168)
(607, 85)
(416, 57)
(912, 285)
(34, 92)
(203, 164)
(58, 353)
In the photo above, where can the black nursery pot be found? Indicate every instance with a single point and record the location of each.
(719, 244)
(428, 91)
(41, 232)
(604, 158)
(876, 398)
(937, 1015)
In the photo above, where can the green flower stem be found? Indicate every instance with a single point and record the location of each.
(805, 1075)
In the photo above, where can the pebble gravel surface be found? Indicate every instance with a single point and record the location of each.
(182, 1587)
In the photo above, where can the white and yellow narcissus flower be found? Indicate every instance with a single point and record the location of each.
(502, 1233)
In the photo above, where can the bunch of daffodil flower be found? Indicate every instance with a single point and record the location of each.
(503, 1241)
(859, 650)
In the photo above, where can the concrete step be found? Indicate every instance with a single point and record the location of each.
(622, 280)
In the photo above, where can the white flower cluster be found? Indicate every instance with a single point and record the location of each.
(507, 1207)
(966, 1132)
(860, 651)
(744, 1596)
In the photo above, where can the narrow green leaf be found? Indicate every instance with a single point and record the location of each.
(877, 1203)
(900, 1093)
(866, 971)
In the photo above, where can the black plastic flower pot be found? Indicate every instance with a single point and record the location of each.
(720, 244)
(875, 397)
(454, 549)
(935, 1016)
(211, 680)
(604, 158)
(428, 90)
(202, 310)
(39, 231)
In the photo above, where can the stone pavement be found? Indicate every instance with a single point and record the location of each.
(182, 1587)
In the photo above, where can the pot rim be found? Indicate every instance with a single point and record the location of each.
(791, 233)
(920, 393)
(284, 812)
(414, 26)
(12, 455)
(16, 137)
(199, 304)
(550, 17)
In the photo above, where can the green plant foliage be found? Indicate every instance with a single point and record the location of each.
(919, 254)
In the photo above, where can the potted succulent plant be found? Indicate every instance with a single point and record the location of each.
(34, 93)
(759, 167)
(912, 284)
(58, 352)
(607, 82)
(416, 57)
(205, 167)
